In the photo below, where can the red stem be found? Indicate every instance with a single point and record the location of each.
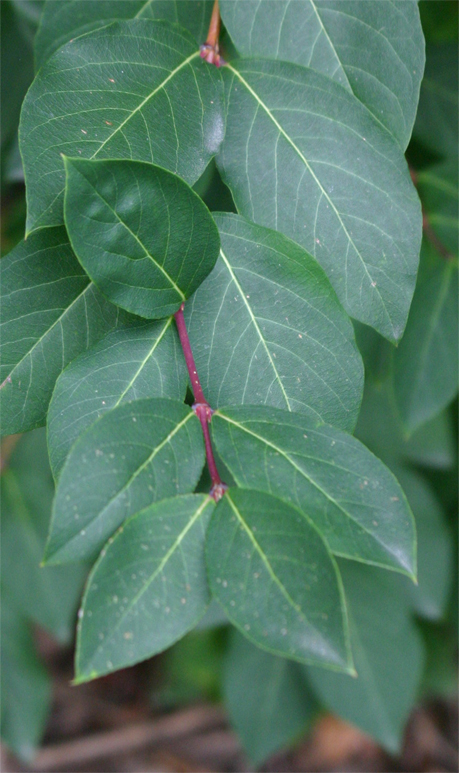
(201, 407)
(189, 359)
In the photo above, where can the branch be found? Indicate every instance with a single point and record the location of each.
(128, 739)
(201, 407)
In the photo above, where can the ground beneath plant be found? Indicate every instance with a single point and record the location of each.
(110, 725)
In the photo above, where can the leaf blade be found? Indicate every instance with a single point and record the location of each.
(275, 604)
(144, 237)
(320, 169)
(375, 50)
(142, 359)
(146, 70)
(389, 658)
(291, 344)
(175, 557)
(65, 314)
(353, 499)
(139, 453)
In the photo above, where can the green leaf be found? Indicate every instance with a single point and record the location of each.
(304, 156)
(141, 359)
(26, 687)
(436, 121)
(267, 701)
(426, 362)
(266, 327)
(62, 21)
(48, 596)
(389, 658)
(147, 589)
(379, 427)
(435, 547)
(438, 189)
(134, 455)
(273, 575)
(17, 61)
(352, 498)
(50, 313)
(375, 50)
(144, 237)
(118, 92)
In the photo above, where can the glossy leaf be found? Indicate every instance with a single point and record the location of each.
(389, 658)
(304, 156)
(273, 575)
(267, 701)
(373, 49)
(435, 547)
(134, 455)
(140, 359)
(62, 21)
(426, 362)
(47, 596)
(26, 687)
(144, 237)
(50, 313)
(148, 587)
(266, 327)
(118, 92)
(436, 121)
(352, 498)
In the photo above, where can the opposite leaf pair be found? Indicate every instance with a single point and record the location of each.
(269, 558)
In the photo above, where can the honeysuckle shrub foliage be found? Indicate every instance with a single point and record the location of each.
(198, 372)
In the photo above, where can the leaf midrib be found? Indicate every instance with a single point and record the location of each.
(256, 326)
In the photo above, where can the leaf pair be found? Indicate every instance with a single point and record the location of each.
(268, 544)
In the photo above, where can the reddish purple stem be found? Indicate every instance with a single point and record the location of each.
(201, 407)
(189, 359)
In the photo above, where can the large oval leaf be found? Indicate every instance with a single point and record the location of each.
(266, 327)
(272, 573)
(267, 701)
(144, 237)
(389, 658)
(50, 313)
(426, 367)
(147, 589)
(353, 499)
(61, 21)
(374, 49)
(426, 362)
(132, 456)
(47, 596)
(304, 156)
(118, 92)
(142, 359)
